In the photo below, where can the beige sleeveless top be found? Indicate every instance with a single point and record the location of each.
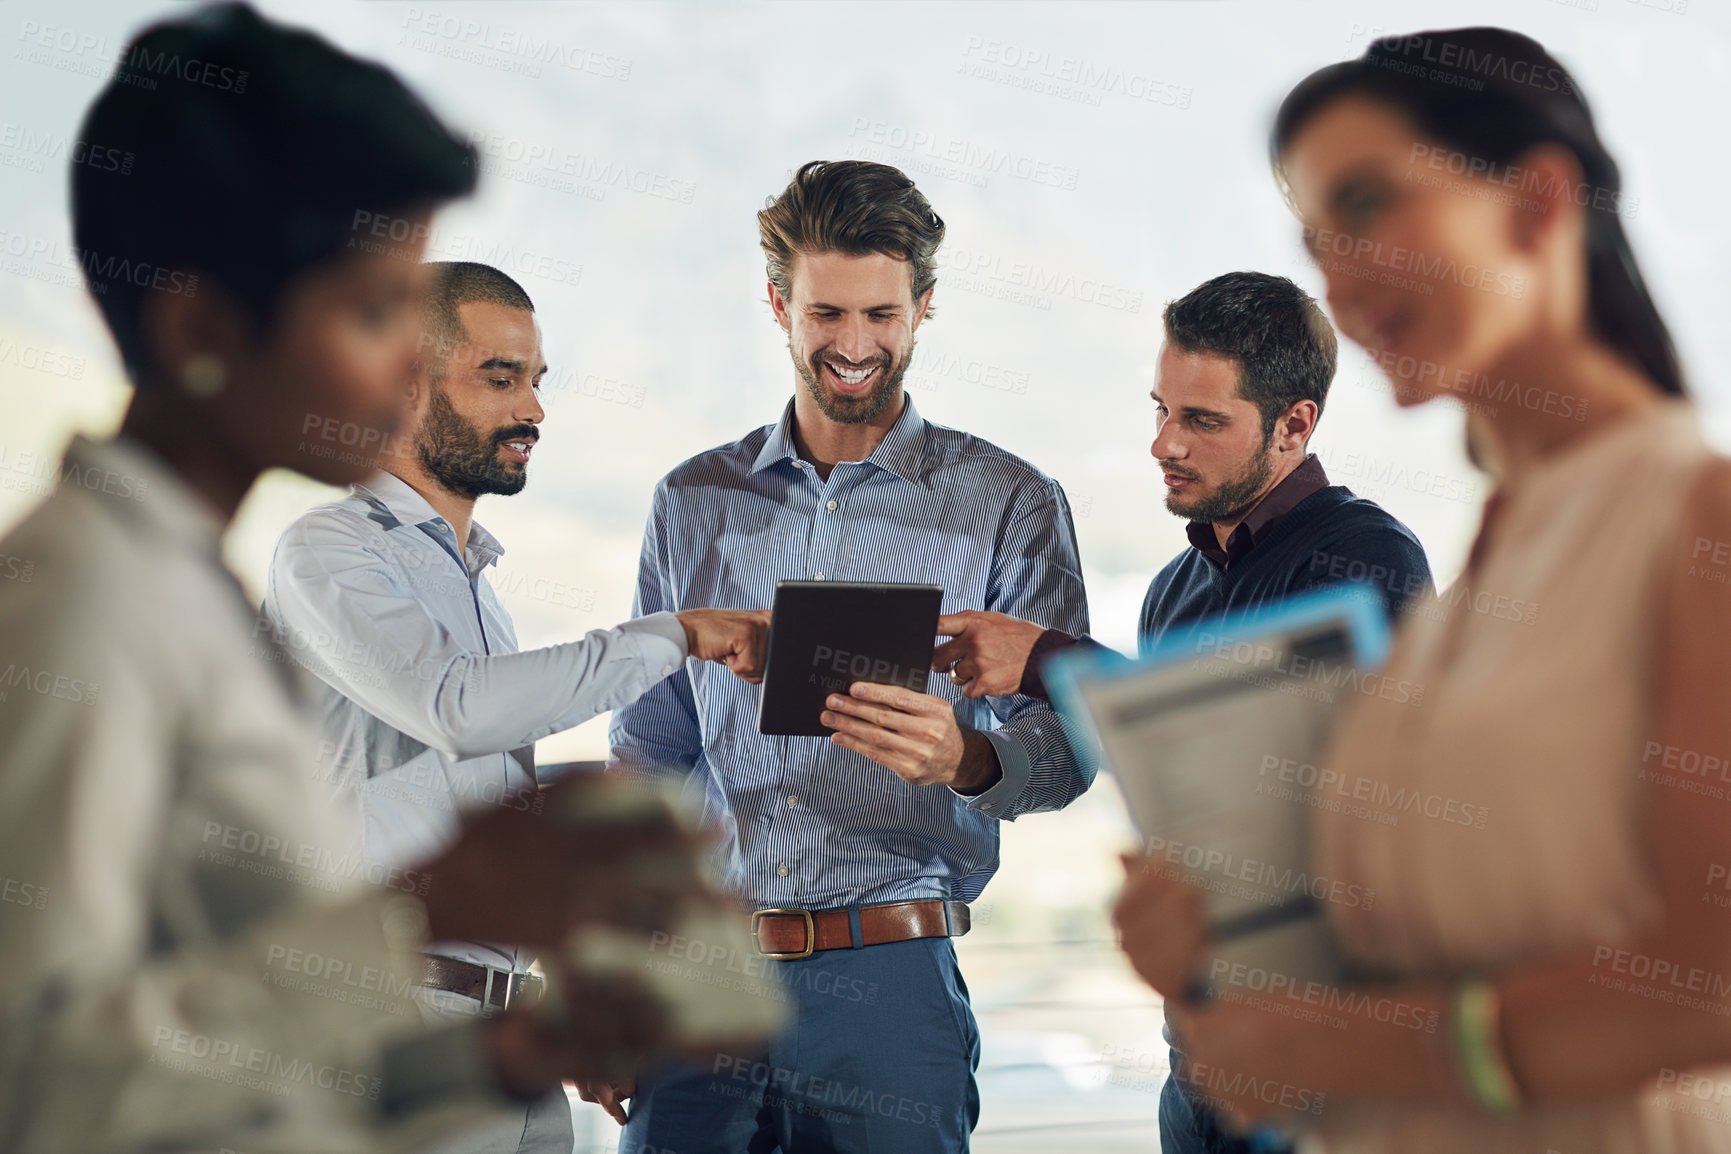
(1500, 819)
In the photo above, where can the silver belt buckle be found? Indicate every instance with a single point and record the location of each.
(503, 980)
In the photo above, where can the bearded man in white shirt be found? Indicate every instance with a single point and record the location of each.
(430, 710)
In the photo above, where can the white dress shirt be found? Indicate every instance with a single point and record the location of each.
(428, 707)
(189, 958)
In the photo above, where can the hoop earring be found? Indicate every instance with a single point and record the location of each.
(203, 375)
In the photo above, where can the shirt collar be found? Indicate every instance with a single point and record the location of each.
(1302, 482)
(902, 451)
(396, 504)
(139, 485)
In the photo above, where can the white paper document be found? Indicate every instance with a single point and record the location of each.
(1216, 739)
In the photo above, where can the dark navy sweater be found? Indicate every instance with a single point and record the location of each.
(1329, 537)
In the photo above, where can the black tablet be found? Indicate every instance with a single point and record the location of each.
(826, 635)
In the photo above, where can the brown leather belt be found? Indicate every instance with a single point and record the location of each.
(787, 934)
(494, 989)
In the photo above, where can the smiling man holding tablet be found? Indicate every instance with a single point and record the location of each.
(863, 845)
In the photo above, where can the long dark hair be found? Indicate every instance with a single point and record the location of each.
(1493, 94)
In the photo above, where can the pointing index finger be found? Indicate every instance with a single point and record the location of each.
(952, 624)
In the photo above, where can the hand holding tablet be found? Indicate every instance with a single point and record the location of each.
(826, 635)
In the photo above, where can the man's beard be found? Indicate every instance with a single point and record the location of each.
(461, 459)
(857, 410)
(1232, 499)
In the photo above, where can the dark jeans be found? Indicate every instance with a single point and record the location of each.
(1189, 1126)
(879, 1059)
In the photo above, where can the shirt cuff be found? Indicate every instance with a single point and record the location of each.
(438, 1068)
(663, 639)
(1014, 765)
(1048, 643)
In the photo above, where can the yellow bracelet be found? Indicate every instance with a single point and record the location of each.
(1478, 1048)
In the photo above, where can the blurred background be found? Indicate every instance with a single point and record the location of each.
(1093, 160)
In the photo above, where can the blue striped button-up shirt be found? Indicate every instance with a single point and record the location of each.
(808, 823)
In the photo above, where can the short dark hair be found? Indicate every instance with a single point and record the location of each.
(250, 168)
(1284, 346)
(854, 207)
(456, 283)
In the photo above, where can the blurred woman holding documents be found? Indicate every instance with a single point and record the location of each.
(1566, 969)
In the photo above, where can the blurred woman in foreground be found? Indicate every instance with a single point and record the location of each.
(1565, 971)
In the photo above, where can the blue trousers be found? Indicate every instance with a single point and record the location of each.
(1188, 1125)
(879, 1059)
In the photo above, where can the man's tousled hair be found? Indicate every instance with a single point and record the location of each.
(1284, 345)
(854, 207)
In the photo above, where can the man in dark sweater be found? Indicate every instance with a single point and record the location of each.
(1241, 383)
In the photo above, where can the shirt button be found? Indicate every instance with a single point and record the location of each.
(667, 671)
(781, 870)
(817, 577)
(793, 799)
(985, 805)
(831, 505)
